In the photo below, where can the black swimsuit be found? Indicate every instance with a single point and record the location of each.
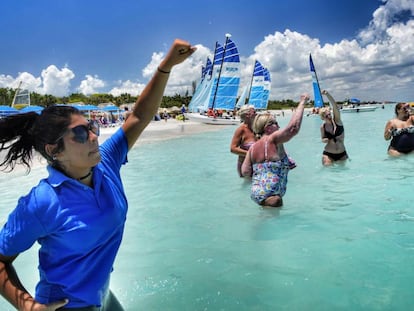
(338, 131)
(403, 139)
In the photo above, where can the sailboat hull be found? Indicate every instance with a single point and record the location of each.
(196, 117)
(359, 109)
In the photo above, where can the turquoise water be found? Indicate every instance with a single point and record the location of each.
(194, 240)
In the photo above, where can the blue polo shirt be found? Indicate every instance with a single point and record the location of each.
(79, 229)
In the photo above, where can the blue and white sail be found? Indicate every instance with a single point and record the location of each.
(243, 96)
(207, 70)
(226, 76)
(219, 86)
(316, 88)
(266, 88)
(257, 86)
(201, 96)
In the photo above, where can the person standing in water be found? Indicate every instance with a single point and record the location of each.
(77, 214)
(266, 161)
(332, 133)
(243, 136)
(401, 131)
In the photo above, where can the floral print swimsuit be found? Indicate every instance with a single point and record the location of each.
(269, 178)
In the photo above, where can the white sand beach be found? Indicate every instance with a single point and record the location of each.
(161, 130)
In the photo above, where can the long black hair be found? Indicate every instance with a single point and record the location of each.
(22, 133)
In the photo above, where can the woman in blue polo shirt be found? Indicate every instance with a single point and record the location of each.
(76, 214)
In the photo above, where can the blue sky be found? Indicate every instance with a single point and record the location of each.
(361, 48)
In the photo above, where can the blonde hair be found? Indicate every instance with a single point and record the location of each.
(244, 110)
(260, 122)
(322, 112)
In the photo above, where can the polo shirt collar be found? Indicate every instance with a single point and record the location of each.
(56, 177)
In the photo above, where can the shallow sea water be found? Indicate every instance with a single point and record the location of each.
(344, 239)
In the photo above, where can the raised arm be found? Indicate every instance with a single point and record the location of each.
(335, 109)
(148, 102)
(283, 135)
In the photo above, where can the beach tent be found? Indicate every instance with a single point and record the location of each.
(37, 109)
(7, 110)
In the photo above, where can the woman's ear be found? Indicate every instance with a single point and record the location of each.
(51, 150)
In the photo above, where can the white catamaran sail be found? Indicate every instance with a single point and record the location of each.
(243, 96)
(316, 89)
(202, 93)
(21, 97)
(259, 89)
(266, 88)
(226, 72)
(218, 90)
(257, 86)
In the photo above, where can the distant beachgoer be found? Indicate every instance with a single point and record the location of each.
(401, 131)
(165, 115)
(266, 161)
(332, 133)
(127, 113)
(183, 110)
(77, 214)
(243, 136)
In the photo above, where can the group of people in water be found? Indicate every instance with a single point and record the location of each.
(77, 214)
(259, 140)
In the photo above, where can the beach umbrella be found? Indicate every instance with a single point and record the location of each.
(37, 109)
(7, 110)
(87, 108)
(354, 100)
(111, 108)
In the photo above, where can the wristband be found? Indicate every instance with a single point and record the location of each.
(163, 71)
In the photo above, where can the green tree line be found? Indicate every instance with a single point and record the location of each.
(7, 94)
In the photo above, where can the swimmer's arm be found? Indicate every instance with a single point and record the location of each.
(335, 109)
(388, 130)
(283, 135)
(236, 142)
(246, 168)
(324, 139)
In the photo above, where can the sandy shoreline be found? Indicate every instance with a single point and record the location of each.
(161, 130)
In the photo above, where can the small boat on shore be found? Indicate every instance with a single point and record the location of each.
(356, 109)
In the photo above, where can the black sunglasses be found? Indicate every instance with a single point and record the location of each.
(274, 122)
(81, 132)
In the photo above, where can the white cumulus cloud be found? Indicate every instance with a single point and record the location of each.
(91, 85)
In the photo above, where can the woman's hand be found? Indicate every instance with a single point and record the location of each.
(305, 97)
(179, 51)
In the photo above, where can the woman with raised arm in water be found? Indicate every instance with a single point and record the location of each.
(332, 133)
(266, 161)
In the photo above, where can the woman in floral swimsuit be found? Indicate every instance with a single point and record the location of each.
(266, 161)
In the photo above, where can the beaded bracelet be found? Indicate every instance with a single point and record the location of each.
(163, 71)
